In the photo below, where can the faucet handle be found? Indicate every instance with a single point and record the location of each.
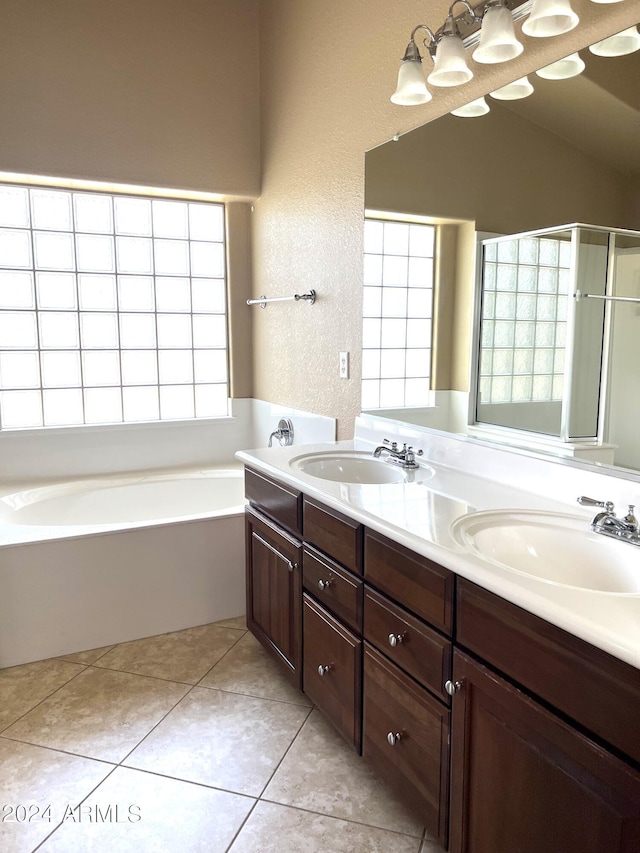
(607, 506)
(392, 444)
(630, 518)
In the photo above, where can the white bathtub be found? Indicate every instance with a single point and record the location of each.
(91, 563)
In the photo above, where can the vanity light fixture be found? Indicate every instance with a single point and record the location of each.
(550, 18)
(479, 107)
(449, 64)
(521, 88)
(563, 69)
(498, 42)
(621, 44)
(494, 40)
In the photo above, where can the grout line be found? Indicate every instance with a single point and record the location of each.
(44, 698)
(220, 659)
(286, 752)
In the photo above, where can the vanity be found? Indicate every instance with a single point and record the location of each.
(502, 708)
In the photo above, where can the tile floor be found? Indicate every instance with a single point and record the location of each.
(190, 741)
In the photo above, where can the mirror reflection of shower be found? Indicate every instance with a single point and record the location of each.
(557, 318)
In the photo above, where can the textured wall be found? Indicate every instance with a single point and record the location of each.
(153, 92)
(327, 70)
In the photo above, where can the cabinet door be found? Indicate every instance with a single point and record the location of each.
(406, 738)
(523, 780)
(333, 670)
(274, 590)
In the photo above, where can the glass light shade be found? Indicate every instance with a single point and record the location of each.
(563, 69)
(605, 1)
(498, 42)
(411, 89)
(450, 64)
(550, 18)
(521, 88)
(479, 107)
(628, 41)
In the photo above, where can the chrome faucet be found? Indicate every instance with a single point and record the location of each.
(405, 458)
(284, 433)
(606, 522)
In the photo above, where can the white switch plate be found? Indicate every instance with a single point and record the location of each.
(344, 365)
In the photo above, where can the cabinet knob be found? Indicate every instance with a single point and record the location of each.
(324, 669)
(392, 739)
(325, 584)
(395, 640)
(453, 687)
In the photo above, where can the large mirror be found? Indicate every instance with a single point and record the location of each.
(567, 154)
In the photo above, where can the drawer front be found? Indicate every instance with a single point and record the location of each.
(598, 691)
(335, 534)
(422, 652)
(416, 764)
(279, 502)
(338, 590)
(332, 669)
(415, 582)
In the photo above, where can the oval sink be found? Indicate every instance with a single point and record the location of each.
(352, 466)
(555, 548)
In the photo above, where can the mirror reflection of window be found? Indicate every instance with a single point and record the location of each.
(397, 313)
(524, 315)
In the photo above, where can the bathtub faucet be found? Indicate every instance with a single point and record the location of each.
(284, 433)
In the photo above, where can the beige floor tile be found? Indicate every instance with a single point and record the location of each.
(88, 657)
(45, 782)
(323, 774)
(180, 656)
(275, 829)
(22, 687)
(237, 622)
(100, 714)
(222, 739)
(136, 812)
(430, 846)
(249, 669)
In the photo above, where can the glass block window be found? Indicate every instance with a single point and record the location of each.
(397, 312)
(112, 308)
(524, 314)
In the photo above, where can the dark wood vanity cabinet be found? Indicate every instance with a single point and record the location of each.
(539, 725)
(274, 570)
(332, 617)
(333, 669)
(504, 733)
(524, 780)
(408, 616)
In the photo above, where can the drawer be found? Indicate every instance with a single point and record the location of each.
(279, 502)
(332, 669)
(337, 589)
(337, 535)
(415, 764)
(420, 651)
(598, 691)
(415, 582)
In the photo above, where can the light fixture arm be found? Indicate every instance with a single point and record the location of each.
(412, 51)
(469, 12)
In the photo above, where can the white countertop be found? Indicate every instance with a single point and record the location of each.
(419, 515)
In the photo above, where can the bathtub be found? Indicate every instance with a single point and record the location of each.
(91, 563)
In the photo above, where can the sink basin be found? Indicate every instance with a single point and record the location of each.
(555, 548)
(352, 466)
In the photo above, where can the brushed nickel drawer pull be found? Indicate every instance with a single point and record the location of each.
(453, 687)
(396, 639)
(392, 739)
(324, 669)
(325, 584)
